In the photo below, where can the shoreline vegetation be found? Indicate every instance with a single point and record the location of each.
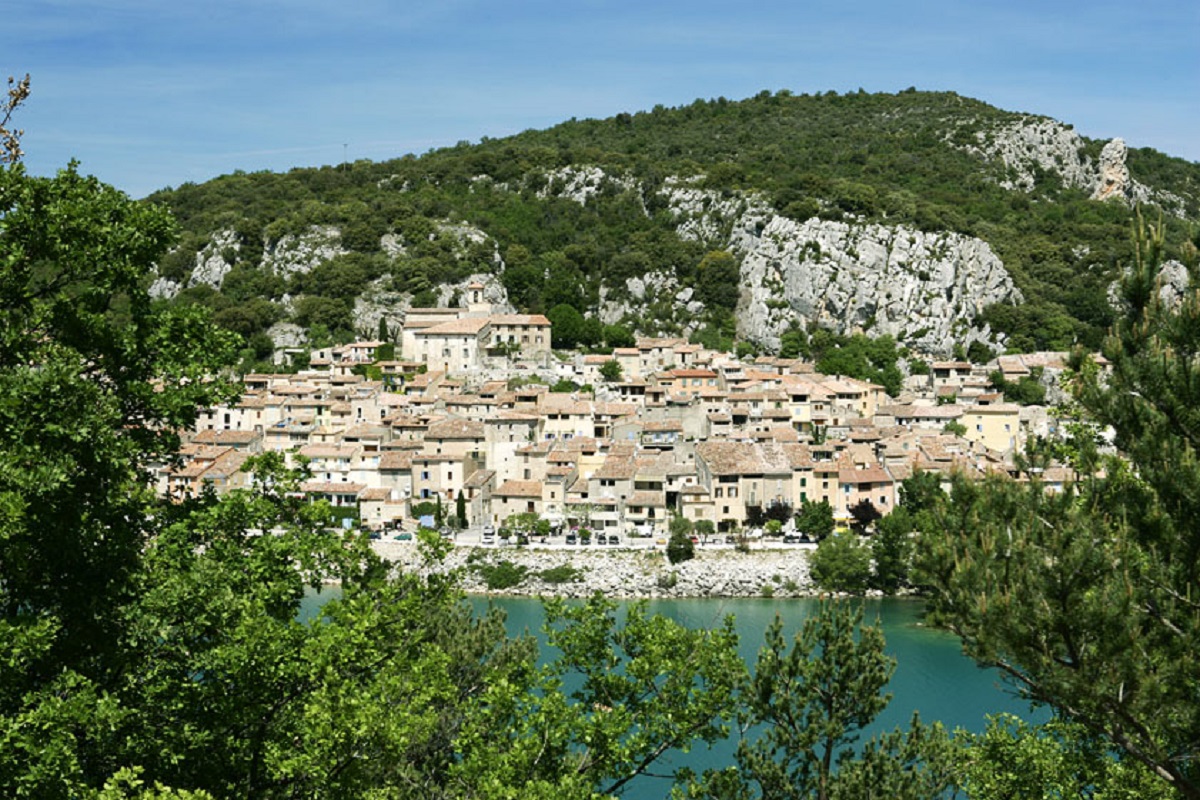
(623, 573)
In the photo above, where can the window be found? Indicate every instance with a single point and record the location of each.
(719, 492)
(733, 491)
(424, 474)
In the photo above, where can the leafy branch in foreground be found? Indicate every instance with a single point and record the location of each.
(809, 706)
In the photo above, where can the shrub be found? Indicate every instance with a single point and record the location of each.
(841, 564)
(680, 548)
(563, 573)
(501, 575)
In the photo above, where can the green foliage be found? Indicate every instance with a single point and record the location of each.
(1086, 598)
(841, 563)
(503, 574)
(811, 703)
(568, 326)
(460, 510)
(891, 551)
(906, 158)
(618, 336)
(83, 415)
(858, 356)
(815, 519)
(1059, 759)
(717, 279)
(1028, 390)
(863, 515)
(563, 573)
(955, 428)
(680, 547)
(680, 524)
(611, 371)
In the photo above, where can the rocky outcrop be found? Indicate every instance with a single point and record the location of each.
(1114, 174)
(1031, 145)
(215, 259)
(925, 288)
(1174, 282)
(298, 254)
(580, 183)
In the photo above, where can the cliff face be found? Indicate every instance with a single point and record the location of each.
(925, 288)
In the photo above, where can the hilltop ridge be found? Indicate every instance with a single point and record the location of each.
(926, 216)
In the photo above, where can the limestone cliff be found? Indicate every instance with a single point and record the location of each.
(1031, 146)
(923, 288)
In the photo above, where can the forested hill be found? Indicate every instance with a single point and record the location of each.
(931, 217)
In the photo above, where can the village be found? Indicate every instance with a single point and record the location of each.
(466, 419)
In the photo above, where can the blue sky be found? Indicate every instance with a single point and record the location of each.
(153, 93)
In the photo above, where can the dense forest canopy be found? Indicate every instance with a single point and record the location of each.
(914, 159)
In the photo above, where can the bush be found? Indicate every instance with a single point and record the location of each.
(841, 564)
(502, 575)
(563, 573)
(680, 548)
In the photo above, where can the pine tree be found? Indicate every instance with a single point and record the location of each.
(1089, 599)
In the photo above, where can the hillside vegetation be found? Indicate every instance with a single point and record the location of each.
(566, 216)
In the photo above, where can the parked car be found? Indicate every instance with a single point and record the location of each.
(489, 537)
(791, 538)
(614, 539)
(571, 537)
(601, 538)
(403, 536)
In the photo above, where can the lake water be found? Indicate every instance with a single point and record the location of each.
(932, 675)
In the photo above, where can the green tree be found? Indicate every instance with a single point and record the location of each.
(891, 551)
(1058, 759)
(717, 279)
(680, 546)
(811, 703)
(815, 519)
(864, 514)
(618, 336)
(611, 371)
(460, 509)
(841, 563)
(567, 326)
(1087, 598)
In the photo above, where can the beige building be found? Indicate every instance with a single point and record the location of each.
(996, 426)
(456, 346)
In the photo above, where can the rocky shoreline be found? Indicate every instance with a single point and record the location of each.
(623, 573)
